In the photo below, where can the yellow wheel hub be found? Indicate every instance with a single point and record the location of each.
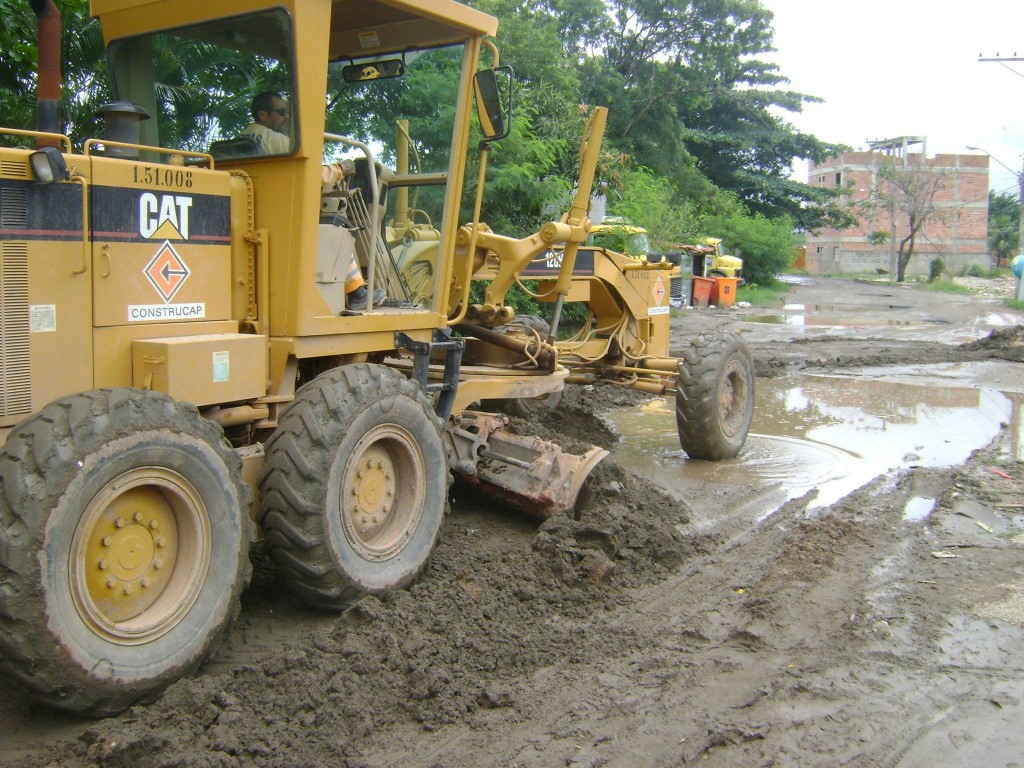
(140, 555)
(373, 492)
(385, 482)
(130, 553)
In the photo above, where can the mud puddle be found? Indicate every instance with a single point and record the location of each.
(828, 433)
(840, 316)
(842, 319)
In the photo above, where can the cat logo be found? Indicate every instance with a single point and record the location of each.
(164, 217)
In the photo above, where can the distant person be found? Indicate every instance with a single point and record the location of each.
(270, 123)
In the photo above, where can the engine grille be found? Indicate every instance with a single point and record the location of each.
(15, 362)
(14, 169)
(13, 207)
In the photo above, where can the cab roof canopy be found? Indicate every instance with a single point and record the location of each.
(369, 27)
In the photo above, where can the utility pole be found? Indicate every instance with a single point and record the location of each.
(1020, 226)
(1001, 61)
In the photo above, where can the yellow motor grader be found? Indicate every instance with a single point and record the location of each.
(624, 341)
(182, 364)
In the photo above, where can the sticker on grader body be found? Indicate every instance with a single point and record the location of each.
(658, 294)
(141, 313)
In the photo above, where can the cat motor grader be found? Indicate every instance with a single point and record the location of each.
(624, 340)
(180, 366)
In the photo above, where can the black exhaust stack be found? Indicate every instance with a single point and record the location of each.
(48, 94)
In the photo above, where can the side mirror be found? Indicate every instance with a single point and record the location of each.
(495, 122)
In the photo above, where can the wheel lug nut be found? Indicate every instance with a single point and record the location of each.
(137, 517)
(145, 583)
(111, 582)
(127, 589)
(154, 524)
(103, 564)
(120, 522)
(160, 541)
(106, 541)
(158, 564)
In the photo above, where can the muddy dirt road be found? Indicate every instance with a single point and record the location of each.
(848, 591)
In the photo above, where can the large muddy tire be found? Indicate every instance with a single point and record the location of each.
(124, 547)
(715, 396)
(355, 486)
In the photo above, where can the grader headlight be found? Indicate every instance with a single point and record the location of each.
(48, 165)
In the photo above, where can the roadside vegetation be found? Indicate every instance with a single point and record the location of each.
(770, 294)
(945, 285)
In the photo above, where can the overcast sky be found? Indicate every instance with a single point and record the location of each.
(888, 68)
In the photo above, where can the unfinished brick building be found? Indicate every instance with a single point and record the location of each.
(957, 232)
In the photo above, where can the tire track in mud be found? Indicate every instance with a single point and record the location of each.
(705, 650)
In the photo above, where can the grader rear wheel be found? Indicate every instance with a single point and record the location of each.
(355, 486)
(715, 396)
(135, 548)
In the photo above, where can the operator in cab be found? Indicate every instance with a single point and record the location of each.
(270, 123)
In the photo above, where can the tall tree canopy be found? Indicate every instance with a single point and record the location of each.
(85, 85)
(688, 92)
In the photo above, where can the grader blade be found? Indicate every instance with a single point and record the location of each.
(528, 473)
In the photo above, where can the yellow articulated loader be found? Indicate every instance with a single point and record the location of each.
(187, 357)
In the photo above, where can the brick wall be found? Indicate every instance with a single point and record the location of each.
(957, 231)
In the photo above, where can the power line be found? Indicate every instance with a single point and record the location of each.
(1001, 60)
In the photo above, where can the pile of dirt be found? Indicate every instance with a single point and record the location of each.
(1002, 344)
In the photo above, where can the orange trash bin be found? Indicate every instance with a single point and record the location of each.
(723, 292)
(702, 290)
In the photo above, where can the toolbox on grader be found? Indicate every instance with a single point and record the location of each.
(180, 363)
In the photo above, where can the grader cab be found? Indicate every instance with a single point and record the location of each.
(182, 362)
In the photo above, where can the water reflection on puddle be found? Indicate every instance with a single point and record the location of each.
(830, 433)
(829, 316)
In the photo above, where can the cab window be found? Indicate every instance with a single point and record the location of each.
(199, 84)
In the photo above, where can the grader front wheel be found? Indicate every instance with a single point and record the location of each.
(355, 486)
(715, 396)
(131, 548)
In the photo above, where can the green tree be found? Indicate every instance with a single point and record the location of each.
(765, 245)
(651, 202)
(688, 90)
(85, 86)
(907, 188)
(1003, 226)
